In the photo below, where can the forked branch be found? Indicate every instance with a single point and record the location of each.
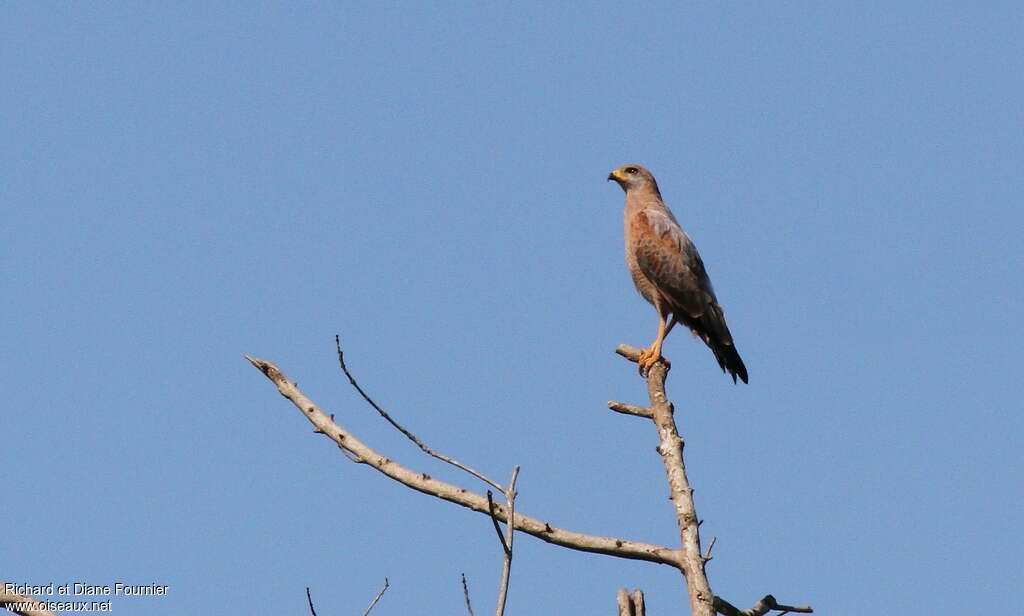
(422, 482)
(670, 448)
(631, 604)
(689, 560)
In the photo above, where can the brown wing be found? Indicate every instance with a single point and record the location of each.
(669, 259)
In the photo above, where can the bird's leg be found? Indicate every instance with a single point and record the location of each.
(652, 354)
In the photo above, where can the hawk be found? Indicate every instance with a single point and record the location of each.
(668, 272)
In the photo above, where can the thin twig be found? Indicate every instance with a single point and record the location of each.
(465, 593)
(707, 554)
(510, 498)
(309, 598)
(409, 435)
(377, 598)
(494, 520)
(506, 567)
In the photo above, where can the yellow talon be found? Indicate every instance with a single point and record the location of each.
(648, 357)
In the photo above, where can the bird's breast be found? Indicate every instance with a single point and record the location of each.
(633, 232)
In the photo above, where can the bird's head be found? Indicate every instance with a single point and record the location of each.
(632, 177)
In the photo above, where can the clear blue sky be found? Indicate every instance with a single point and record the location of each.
(185, 184)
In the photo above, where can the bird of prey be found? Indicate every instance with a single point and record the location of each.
(668, 272)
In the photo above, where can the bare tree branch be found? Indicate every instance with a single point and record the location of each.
(631, 604)
(638, 602)
(309, 597)
(670, 448)
(762, 607)
(465, 593)
(422, 482)
(377, 598)
(409, 435)
(630, 409)
(625, 604)
(689, 560)
(21, 604)
(702, 601)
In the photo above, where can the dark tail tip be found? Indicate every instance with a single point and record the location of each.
(741, 371)
(730, 361)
